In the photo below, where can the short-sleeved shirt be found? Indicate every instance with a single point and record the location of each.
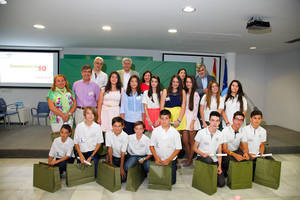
(86, 94)
(255, 137)
(148, 101)
(118, 143)
(138, 147)
(165, 142)
(61, 149)
(132, 107)
(233, 105)
(100, 79)
(88, 137)
(213, 106)
(209, 143)
(55, 97)
(233, 139)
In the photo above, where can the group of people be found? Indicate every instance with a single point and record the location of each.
(121, 108)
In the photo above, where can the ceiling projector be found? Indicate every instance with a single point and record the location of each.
(257, 23)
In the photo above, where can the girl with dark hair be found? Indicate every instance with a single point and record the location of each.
(151, 101)
(109, 101)
(211, 101)
(182, 74)
(174, 99)
(192, 121)
(146, 81)
(234, 101)
(132, 109)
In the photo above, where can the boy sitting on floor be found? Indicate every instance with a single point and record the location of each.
(62, 149)
(116, 142)
(166, 143)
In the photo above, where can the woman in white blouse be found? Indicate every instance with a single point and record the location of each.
(234, 101)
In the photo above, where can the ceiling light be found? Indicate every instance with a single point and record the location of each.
(39, 26)
(172, 30)
(106, 28)
(252, 48)
(189, 9)
(3, 2)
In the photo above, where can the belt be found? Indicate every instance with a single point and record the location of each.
(110, 105)
(82, 108)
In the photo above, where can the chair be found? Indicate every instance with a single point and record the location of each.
(42, 110)
(5, 112)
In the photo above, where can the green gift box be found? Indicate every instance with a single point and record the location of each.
(267, 172)
(205, 177)
(78, 174)
(46, 177)
(240, 174)
(109, 176)
(135, 177)
(160, 177)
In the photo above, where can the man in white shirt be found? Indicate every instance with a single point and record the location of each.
(116, 142)
(126, 72)
(235, 142)
(99, 76)
(208, 142)
(166, 143)
(138, 148)
(62, 149)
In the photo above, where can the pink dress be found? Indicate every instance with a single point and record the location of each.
(110, 108)
(192, 115)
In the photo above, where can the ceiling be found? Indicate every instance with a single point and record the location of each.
(217, 26)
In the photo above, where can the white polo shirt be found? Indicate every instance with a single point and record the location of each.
(117, 143)
(209, 143)
(233, 105)
(100, 78)
(165, 142)
(255, 137)
(88, 136)
(61, 149)
(138, 147)
(213, 106)
(233, 139)
(148, 101)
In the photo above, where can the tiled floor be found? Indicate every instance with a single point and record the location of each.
(16, 183)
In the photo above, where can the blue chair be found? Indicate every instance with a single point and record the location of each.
(42, 110)
(5, 112)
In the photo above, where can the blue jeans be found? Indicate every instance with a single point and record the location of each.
(174, 168)
(63, 165)
(133, 160)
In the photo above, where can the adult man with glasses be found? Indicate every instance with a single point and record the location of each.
(86, 93)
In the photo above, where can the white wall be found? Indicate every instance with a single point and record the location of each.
(282, 89)
(250, 72)
(272, 81)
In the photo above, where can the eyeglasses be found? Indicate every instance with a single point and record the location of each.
(240, 120)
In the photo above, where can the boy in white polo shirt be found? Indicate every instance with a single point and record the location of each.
(255, 134)
(88, 137)
(209, 141)
(138, 148)
(166, 143)
(62, 149)
(234, 138)
(116, 142)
